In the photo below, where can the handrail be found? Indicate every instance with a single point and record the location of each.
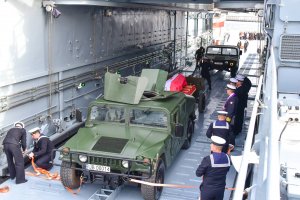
(240, 184)
(273, 161)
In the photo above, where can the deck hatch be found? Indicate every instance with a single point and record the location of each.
(109, 144)
(290, 48)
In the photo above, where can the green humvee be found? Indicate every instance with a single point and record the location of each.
(136, 139)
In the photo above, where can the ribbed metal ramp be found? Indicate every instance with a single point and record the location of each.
(105, 194)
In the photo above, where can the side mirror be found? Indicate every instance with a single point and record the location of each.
(241, 52)
(178, 130)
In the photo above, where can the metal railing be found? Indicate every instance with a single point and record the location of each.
(242, 175)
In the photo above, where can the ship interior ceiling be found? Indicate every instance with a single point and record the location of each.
(54, 72)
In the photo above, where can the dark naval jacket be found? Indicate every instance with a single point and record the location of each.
(242, 95)
(42, 146)
(231, 105)
(219, 128)
(14, 136)
(213, 168)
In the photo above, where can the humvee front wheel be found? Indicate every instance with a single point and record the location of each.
(150, 192)
(69, 177)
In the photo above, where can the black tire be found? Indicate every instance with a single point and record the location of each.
(153, 193)
(201, 103)
(190, 131)
(69, 177)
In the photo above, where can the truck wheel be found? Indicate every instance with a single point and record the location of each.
(69, 177)
(190, 131)
(150, 192)
(201, 103)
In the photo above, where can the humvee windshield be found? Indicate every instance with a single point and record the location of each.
(148, 118)
(104, 113)
(222, 51)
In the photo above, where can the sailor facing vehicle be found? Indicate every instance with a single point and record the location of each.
(13, 152)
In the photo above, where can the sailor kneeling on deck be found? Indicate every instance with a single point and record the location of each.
(42, 149)
(214, 168)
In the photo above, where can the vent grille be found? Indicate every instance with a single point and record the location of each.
(109, 144)
(290, 47)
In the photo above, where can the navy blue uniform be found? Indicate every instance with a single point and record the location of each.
(242, 94)
(213, 168)
(15, 160)
(198, 55)
(241, 105)
(247, 85)
(230, 106)
(221, 129)
(42, 152)
(205, 67)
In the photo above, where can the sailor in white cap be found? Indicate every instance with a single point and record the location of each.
(15, 160)
(240, 77)
(220, 128)
(243, 86)
(244, 81)
(233, 81)
(42, 150)
(231, 102)
(214, 168)
(230, 106)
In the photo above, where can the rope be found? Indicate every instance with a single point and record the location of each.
(39, 171)
(50, 176)
(167, 185)
(4, 189)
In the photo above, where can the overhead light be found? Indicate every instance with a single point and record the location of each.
(108, 12)
(56, 13)
(50, 7)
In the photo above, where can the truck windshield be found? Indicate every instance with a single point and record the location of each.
(148, 118)
(105, 113)
(222, 51)
(229, 51)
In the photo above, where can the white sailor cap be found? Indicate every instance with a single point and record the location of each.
(216, 140)
(240, 77)
(19, 124)
(32, 131)
(222, 112)
(231, 87)
(233, 80)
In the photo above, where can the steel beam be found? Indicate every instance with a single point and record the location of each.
(140, 4)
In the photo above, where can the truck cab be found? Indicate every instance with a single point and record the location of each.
(224, 57)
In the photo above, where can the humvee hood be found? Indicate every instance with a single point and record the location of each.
(119, 140)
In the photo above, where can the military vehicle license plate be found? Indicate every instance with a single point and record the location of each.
(218, 63)
(99, 168)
